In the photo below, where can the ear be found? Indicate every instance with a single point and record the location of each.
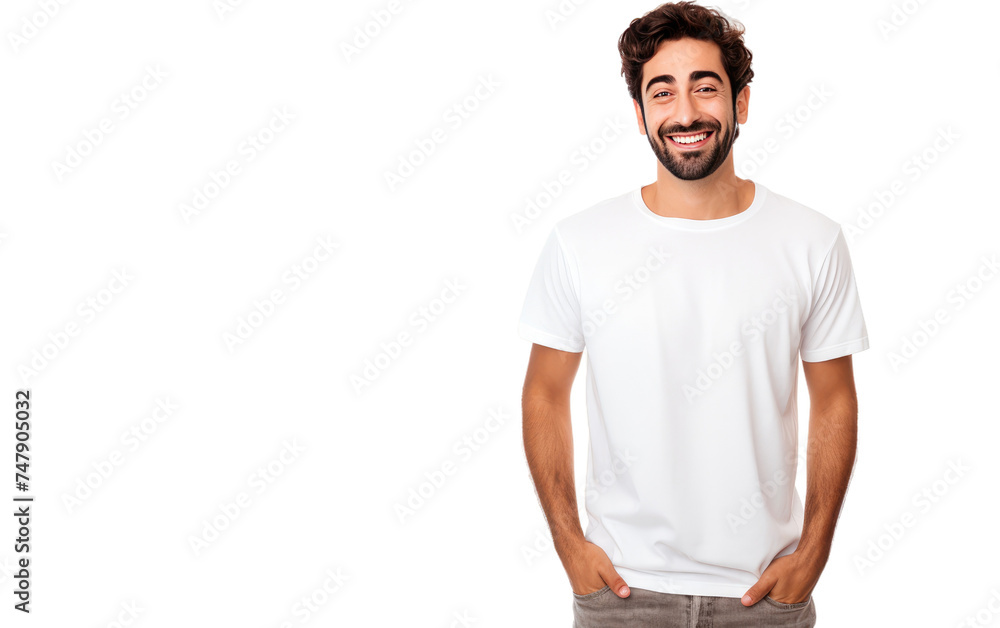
(743, 105)
(638, 117)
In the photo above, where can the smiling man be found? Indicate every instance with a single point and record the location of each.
(695, 298)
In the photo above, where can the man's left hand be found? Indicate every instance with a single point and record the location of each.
(789, 579)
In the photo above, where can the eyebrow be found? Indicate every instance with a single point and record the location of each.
(669, 78)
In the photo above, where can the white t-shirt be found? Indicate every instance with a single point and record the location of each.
(693, 331)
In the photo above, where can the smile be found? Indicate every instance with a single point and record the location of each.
(691, 141)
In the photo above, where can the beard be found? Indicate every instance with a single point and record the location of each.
(695, 164)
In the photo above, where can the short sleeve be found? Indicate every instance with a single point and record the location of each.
(834, 326)
(551, 312)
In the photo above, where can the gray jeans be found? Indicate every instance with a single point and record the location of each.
(651, 609)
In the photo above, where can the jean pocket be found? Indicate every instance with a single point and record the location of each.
(791, 607)
(592, 595)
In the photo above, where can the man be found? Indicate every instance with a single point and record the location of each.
(694, 297)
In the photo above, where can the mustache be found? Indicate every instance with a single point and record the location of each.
(686, 131)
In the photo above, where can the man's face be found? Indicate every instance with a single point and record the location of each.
(685, 92)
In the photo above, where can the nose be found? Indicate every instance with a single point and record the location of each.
(684, 110)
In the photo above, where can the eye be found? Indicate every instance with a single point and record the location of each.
(657, 94)
(708, 88)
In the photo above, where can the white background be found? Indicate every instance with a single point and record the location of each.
(476, 545)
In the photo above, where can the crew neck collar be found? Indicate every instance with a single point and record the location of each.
(691, 224)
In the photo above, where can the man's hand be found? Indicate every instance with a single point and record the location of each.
(589, 569)
(788, 579)
(833, 433)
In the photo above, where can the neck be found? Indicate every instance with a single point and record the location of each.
(720, 195)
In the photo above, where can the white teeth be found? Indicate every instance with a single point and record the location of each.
(690, 139)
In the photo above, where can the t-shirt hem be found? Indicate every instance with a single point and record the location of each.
(836, 351)
(671, 584)
(535, 335)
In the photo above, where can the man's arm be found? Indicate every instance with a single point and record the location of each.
(548, 446)
(833, 435)
(830, 452)
(548, 439)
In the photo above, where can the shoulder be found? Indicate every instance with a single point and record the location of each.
(796, 221)
(596, 219)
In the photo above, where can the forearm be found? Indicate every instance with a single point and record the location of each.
(833, 434)
(548, 446)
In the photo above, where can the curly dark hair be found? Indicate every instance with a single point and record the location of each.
(674, 20)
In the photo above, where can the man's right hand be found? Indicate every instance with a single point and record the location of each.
(589, 570)
(548, 445)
